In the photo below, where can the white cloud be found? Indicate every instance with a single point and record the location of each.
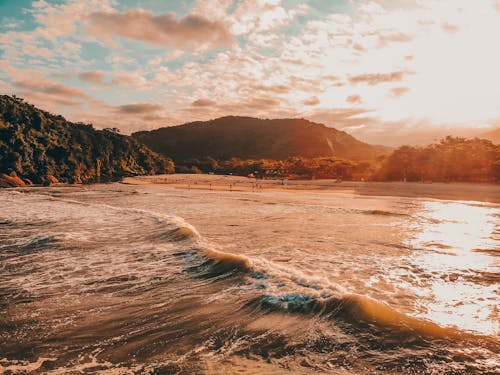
(413, 64)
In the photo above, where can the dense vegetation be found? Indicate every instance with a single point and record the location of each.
(452, 159)
(251, 138)
(43, 148)
(292, 168)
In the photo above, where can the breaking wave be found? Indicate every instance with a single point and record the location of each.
(154, 283)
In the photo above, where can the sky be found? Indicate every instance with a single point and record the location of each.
(388, 71)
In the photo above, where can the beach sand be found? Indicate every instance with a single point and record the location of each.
(451, 191)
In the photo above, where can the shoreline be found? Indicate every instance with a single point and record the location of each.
(481, 192)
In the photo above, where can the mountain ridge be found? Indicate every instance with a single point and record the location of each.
(253, 138)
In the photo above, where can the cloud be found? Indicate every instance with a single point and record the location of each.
(95, 77)
(132, 79)
(341, 117)
(32, 50)
(203, 103)
(50, 102)
(312, 101)
(353, 99)
(192, 31)
(398, 91)
(449, 28)
(375, 79)
(39, 4)
(70, 46)
(263, 103)
(48, 87)
(260, 16)
(138, 108)
(277, 89)
(63, 20)
(213, 9)
(258, 106)
(10, 23)
(393, 37)
(403, 60)
(407, 131)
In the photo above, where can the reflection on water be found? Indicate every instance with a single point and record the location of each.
(110, 278)
(455, 243)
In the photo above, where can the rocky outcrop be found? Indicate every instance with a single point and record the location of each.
(10, 181)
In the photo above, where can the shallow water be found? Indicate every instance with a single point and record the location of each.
(144, 279)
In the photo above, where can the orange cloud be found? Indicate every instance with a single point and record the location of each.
(311, 101)
(95, 77)
(255, 104)
(398, 91)
(397, 37)
(203, 103)
(353, 99)
(449, 28)
(48, 87)
(138, 108)
(49, 102)
(375, 79)
(278, 89)
(192, 31)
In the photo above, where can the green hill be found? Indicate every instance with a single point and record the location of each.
(43, 148)
(252, 138)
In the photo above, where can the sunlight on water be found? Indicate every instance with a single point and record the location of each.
(460, 281)
(105, 281)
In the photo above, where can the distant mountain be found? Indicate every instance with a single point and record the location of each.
(44, 148)
(493, 135)
(252, 138)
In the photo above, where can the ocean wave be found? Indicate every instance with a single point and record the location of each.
(323, 298)
(364, 313)
(271, 287)
(177, 234)
(383, 213)
(37, 243)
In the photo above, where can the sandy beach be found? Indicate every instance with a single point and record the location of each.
(449, 191)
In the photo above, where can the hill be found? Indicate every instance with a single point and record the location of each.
(43, 148)
(252, 138)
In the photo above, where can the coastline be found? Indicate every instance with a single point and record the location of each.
(220, 263)
(447, 191)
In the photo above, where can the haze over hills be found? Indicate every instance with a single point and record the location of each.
(42, 148)
(493, 135)
(253, 138)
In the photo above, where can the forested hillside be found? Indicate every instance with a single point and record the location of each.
(451, 160)
(40, 147)
(252, 138)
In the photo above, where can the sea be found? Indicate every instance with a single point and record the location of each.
(145, 279)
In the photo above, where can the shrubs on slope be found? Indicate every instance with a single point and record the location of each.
(450, 160)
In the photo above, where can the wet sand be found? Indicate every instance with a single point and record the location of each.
(451, 191)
